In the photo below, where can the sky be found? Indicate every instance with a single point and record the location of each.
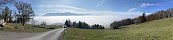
(128, 8)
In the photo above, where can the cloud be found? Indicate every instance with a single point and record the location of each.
(141, 6)
(101, 2)
(132, 9)
(71, 7)
(59, 9)
(146, 4)
(65, 8)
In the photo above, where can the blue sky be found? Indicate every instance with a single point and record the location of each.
(100, 7)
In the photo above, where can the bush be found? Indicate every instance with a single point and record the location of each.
(50, 28)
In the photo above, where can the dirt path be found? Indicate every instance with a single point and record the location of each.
(50, 35)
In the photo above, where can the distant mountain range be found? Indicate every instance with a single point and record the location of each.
(64, 14)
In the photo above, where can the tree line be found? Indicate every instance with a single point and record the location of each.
(82, 25)
(22, 15)
(143, 18)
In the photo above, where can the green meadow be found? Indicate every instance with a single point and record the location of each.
(153, 30)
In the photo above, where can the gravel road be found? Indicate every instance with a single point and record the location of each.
(50, 35)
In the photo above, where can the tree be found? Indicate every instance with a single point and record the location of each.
(170, 11)
(97, 26)
(25, 12)
(79, 24)
(6, 14)
(0, 16)
(143, 18)
(85, 25)
(114, 25)
(4, 2)
(68, 23)
(74, 24)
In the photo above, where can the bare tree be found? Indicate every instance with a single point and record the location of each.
(25, 12)
(6, 14)
(3, 2)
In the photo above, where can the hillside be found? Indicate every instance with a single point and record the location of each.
(154, 30)
(16, 27)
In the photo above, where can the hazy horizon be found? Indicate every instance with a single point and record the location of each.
(102, 20)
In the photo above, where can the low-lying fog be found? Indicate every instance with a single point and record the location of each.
(103, 20)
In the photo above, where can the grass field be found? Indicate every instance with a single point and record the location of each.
(154, 30)
(15, 27)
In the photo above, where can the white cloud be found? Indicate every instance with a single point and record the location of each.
(101, 2)
(64, 8)
(146, 4)
(59, 9)
(132, 9)
(141, 6)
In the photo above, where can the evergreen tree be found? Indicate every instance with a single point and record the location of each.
(80, 24)
(68, 23)
(143, 18)
(97, 26)
(74, 24)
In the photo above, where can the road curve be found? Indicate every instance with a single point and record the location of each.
(50, 35)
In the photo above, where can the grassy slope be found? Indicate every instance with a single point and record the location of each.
(158, 29)
(15, 27)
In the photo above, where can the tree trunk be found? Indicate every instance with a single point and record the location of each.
(5, 20)
(23, 23)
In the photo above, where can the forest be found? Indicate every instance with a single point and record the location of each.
(143, 18)
(82, 25)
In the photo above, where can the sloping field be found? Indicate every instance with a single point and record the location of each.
(154, 30)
